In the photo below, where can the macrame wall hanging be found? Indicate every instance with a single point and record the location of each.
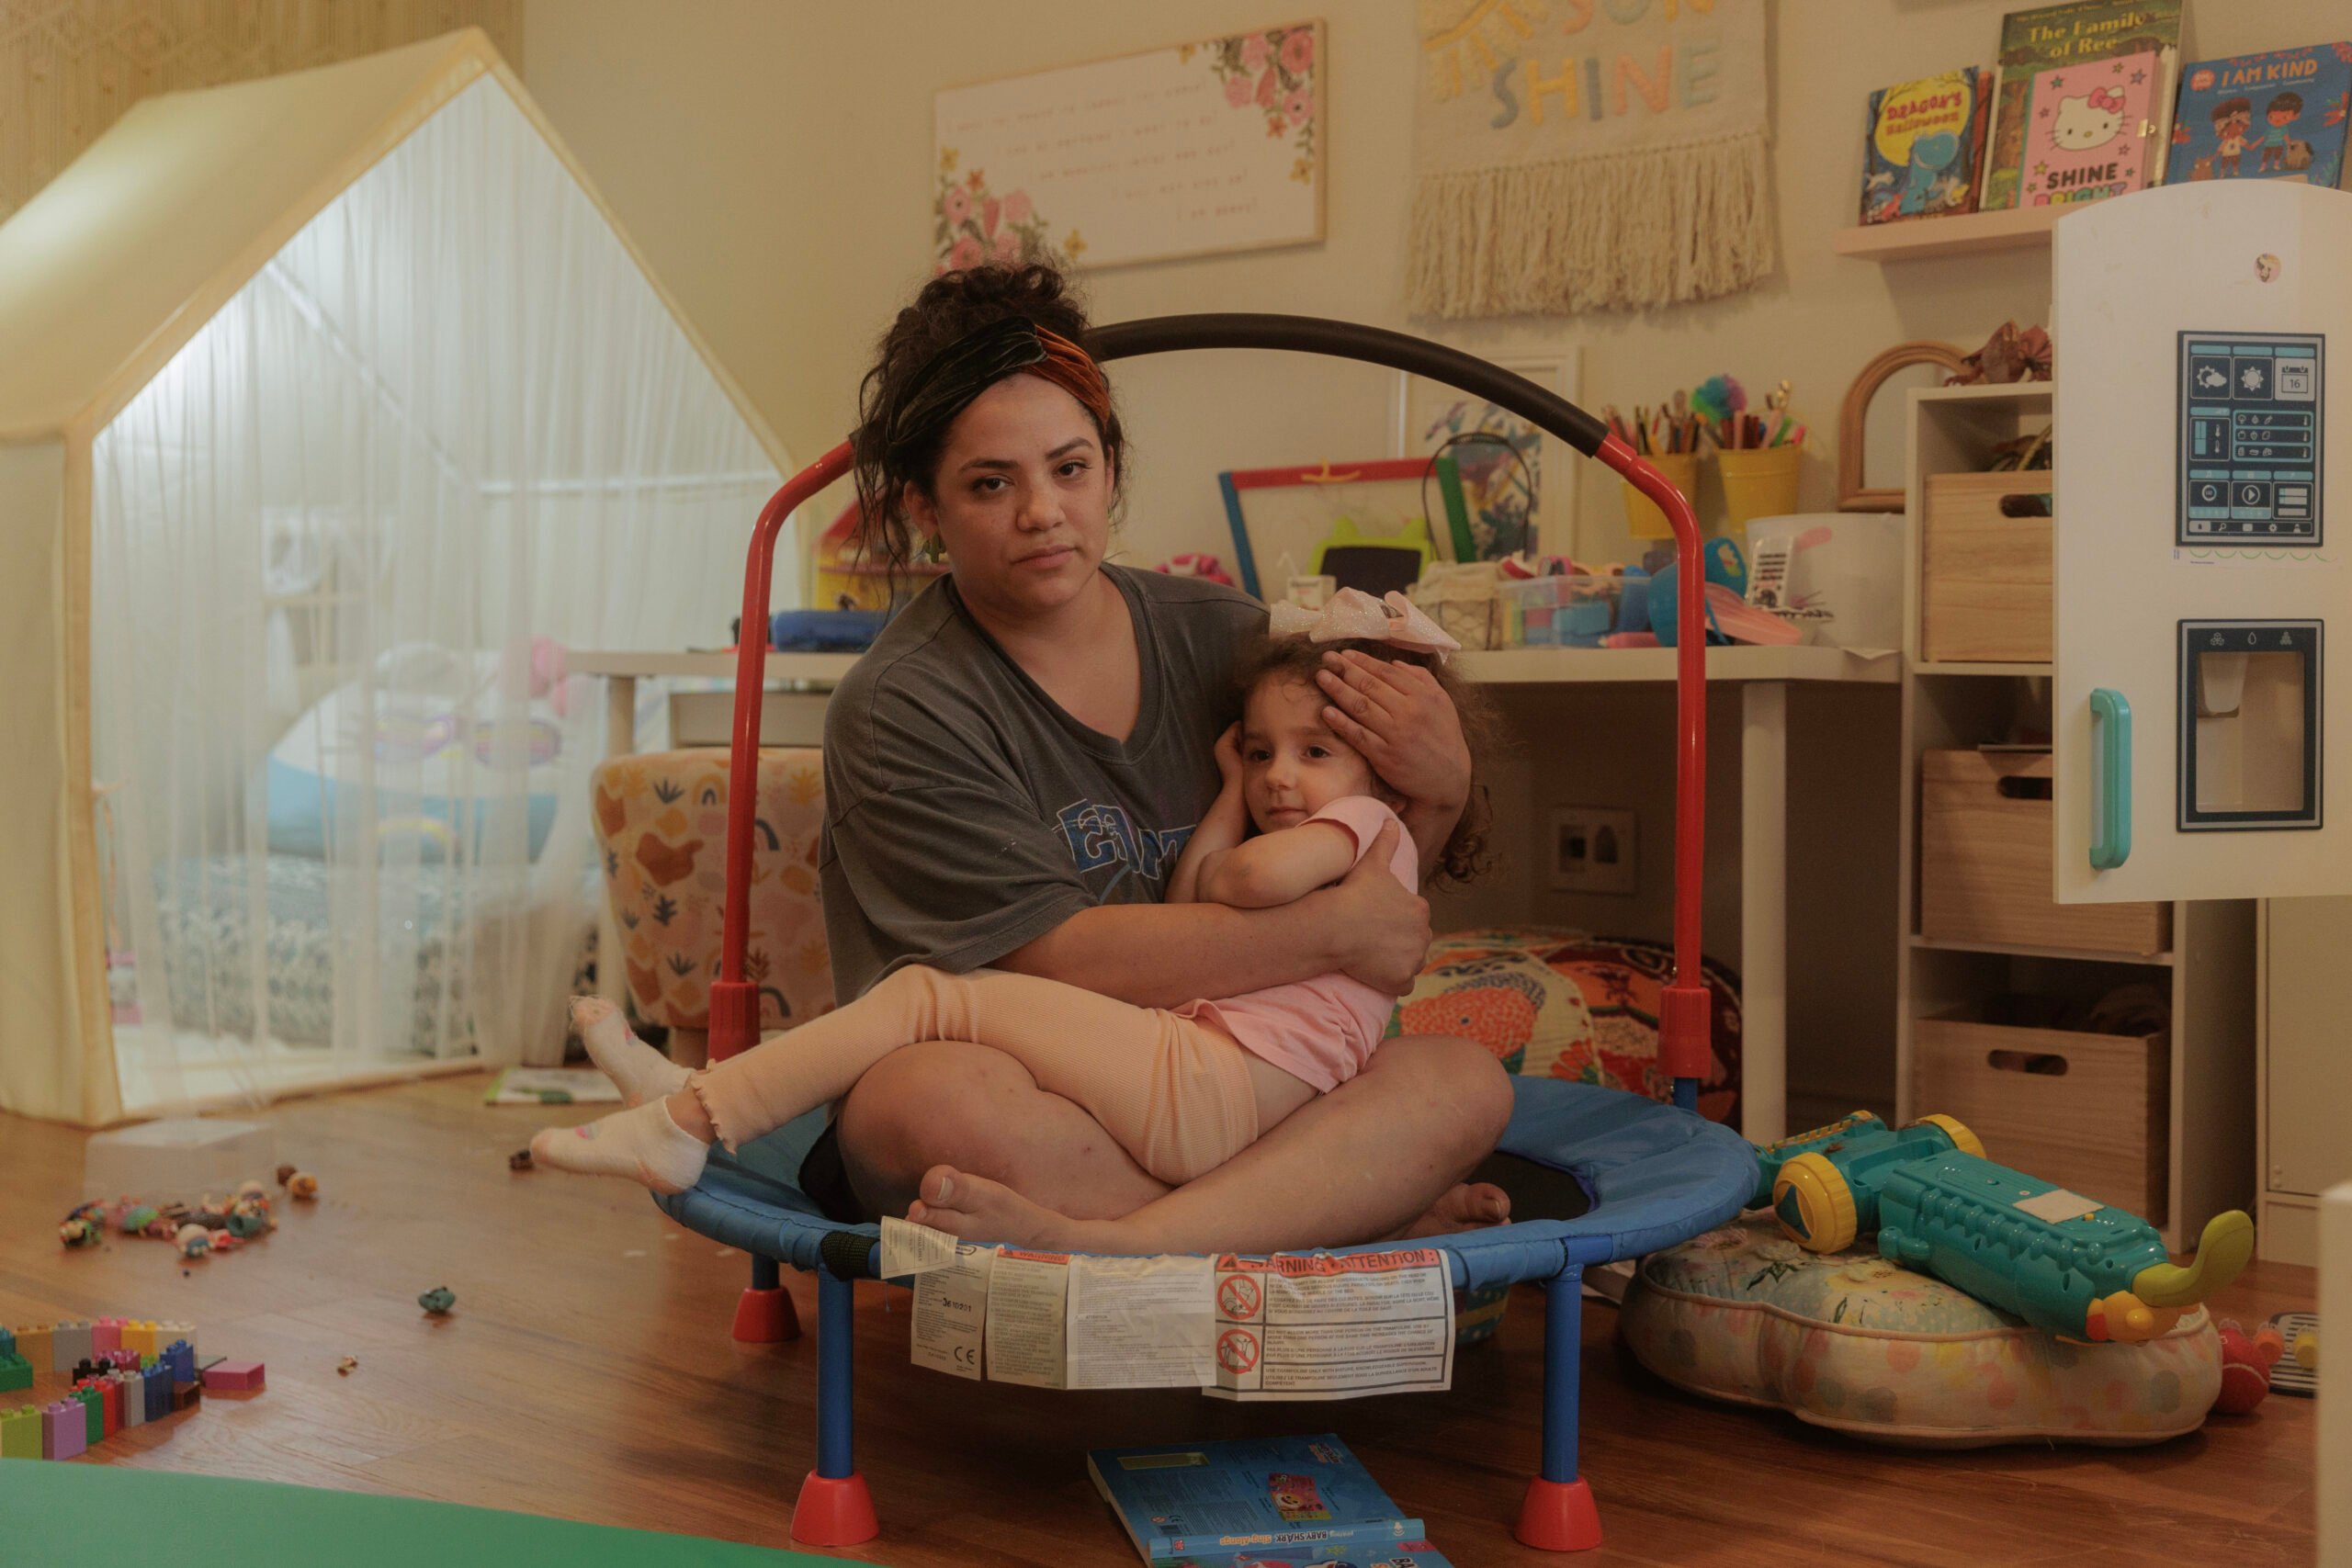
(1581, 155)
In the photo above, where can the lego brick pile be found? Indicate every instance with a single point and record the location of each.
(123, 1371)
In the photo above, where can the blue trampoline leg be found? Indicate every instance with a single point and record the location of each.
(1558, 1515)
(834, 1507)
(763, 1313)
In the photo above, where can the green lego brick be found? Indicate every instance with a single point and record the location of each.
(96, 1404)
(14, 1373)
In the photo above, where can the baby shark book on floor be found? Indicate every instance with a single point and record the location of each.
(1260, 1500)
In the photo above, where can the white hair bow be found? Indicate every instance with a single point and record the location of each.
(1352, 615)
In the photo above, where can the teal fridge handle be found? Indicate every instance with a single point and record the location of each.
(2112, 821)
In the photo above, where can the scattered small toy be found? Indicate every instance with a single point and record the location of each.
(78, 1232)
(194, 1240)
(303, 1187)
(519, 1160)
(2246, 1360)
(242, 1377)
(438, 1300)
(285, 1174)
(342, 1368)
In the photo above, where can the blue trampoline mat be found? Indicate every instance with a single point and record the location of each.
(1658, 1176)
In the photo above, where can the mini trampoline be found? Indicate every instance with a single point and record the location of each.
(1656, 1175)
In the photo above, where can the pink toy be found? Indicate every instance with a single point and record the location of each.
(234, 1377)
(1192, 563)
(2246, 1361)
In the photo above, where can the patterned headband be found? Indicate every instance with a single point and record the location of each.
(959, 373)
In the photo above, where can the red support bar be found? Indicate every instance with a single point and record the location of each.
(734, 1001)
(1683, 1031)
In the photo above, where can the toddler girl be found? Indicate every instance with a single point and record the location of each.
(1182, 1091)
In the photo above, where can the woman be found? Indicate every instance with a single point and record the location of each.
(1011, 774)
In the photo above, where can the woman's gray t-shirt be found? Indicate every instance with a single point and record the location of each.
(966, 814)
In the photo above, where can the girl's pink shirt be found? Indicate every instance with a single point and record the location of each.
(1323, 1031)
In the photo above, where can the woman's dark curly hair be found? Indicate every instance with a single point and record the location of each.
(1298, 659)
(950, 308)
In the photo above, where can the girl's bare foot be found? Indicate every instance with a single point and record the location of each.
(642, 1071)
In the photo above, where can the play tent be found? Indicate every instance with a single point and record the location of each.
(333, 407)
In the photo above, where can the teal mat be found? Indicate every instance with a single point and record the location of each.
(79, 1515)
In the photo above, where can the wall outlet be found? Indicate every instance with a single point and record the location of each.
(1593, 850)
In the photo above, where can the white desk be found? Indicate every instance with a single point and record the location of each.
(1763, 675)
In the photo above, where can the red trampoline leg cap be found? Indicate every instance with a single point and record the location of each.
(767, 1317)
(834, 1510)
(1558, 1516)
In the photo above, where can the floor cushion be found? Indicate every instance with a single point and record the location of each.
(1850, 1341)
(1557, 1003)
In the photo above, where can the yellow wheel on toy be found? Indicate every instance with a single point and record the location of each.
(1814, 1204)
(1957, 1131)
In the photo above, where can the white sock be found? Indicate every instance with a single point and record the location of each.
(642, 1071)
(643, 1145)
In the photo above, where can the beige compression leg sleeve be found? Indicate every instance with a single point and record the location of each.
(1177, 1094)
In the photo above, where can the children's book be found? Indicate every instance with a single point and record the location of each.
(1927, 139)
(1395, 1555)
(2087, 131)
(2265, 116)
(1246, 1501)
(552, 1086)
(2049, 37)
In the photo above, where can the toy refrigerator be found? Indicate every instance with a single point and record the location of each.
(2202, 716)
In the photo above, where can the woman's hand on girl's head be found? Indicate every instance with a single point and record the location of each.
(1400, 720)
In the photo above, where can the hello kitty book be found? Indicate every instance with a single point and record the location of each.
(2088, 131)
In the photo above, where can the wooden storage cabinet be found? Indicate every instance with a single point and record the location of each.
(2087, 1111)
(1984, 867)
(1985, 575)
(2167, 1123)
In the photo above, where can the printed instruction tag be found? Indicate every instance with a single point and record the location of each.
(1323, 1327)
(914, 1249)
(1028, 1298)
(1139, 1323)
(951, 1313)
(2057, 1206)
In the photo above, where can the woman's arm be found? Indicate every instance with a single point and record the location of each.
(1400, 720)
(1281, 867)
(1369, 926)
(1224, 825)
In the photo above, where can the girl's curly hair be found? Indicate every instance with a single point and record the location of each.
(1297, 658)
(949, 308)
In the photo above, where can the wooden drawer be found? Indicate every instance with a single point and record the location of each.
(1985, 590)
(1984, 863)
(2087, 1111)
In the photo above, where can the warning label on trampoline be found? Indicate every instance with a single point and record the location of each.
(1325, 1327)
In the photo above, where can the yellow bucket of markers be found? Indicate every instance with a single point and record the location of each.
(1759, 481)
(1643, 518)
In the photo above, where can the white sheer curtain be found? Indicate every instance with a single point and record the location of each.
(448, 428)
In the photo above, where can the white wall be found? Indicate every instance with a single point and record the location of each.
(773, 159)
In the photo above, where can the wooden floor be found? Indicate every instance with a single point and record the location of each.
(587, 1373)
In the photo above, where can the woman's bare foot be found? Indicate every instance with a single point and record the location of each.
(1468, 1206)
(642, 1071)
(973, 1208)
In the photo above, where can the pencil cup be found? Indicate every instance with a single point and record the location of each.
(1758, 482)
(1643, 518)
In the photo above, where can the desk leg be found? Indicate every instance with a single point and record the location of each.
(1764, 909)
(620, 739)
